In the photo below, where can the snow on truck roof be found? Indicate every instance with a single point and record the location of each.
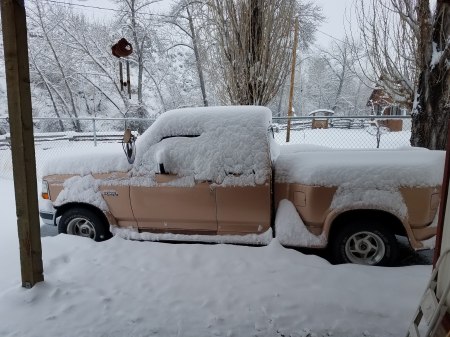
(220, 144)
(198, 120)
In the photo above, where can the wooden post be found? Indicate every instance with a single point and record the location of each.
(22, 141)
(291, 90)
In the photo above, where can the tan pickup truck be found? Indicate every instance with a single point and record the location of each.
(216, 175)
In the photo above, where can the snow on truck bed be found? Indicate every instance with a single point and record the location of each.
(316, 165)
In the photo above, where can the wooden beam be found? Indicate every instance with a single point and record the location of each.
(15, 46)
(291, 90)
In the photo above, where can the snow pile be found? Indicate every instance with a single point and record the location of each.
(290, 229)
(351, 197)
(129, 288)
(82, 189)
(251, 239)
(364, 169)
(225, 145)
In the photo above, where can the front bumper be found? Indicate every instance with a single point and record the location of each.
(48, 217)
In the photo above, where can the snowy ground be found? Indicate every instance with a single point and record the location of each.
(129, 288)
(346, 138)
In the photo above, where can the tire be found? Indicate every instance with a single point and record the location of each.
(83, 222)
(364, 241)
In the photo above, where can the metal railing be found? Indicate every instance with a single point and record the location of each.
(335, 131)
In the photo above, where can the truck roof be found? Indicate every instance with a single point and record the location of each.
(219, 144)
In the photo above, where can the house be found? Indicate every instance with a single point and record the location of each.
(383, 104)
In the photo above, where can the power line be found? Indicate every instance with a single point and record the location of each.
(104, 8)
(334, 38)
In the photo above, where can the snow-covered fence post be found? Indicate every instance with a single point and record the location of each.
(94, 129)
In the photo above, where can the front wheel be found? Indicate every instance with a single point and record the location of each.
(83, 222)
(364, 242)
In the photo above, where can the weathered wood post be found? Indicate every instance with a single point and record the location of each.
(291, 90)
(22, 142)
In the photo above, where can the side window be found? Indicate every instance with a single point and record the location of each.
(172, 153)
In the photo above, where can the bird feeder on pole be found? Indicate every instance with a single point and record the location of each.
(123, 49)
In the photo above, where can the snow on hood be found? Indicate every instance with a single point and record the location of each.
(362, 168)
(220, 144)
(98, 160)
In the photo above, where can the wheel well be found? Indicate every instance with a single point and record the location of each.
(62, 209)
(384, 217)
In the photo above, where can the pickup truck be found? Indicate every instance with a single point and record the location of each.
(215, 174)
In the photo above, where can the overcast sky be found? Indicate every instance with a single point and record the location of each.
(333, 10)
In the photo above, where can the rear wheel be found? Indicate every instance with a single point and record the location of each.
(366, 242)
(83, 222)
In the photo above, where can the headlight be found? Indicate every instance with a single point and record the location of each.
(45, 193)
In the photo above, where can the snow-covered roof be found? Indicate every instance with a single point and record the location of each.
(362, 168)
(219, 144)
(325, 112)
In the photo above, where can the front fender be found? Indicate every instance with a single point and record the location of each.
(81, 189)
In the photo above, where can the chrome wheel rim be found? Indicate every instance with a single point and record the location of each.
(81, 227)
(365, 248)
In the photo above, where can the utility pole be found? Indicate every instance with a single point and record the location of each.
(291, 91)
(15, 46)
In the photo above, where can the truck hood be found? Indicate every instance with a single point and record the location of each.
(98, 160)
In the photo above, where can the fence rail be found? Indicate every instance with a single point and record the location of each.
(330, 131)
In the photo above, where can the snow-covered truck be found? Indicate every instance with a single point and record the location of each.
(215, 174)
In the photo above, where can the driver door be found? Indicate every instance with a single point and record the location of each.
(167, 208)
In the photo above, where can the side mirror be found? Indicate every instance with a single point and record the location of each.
(128, 145)
(274, 128)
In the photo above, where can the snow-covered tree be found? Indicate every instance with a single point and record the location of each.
(387, 33)
(48, 49)
(183, 17)
(326, 79)
(253, 42)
